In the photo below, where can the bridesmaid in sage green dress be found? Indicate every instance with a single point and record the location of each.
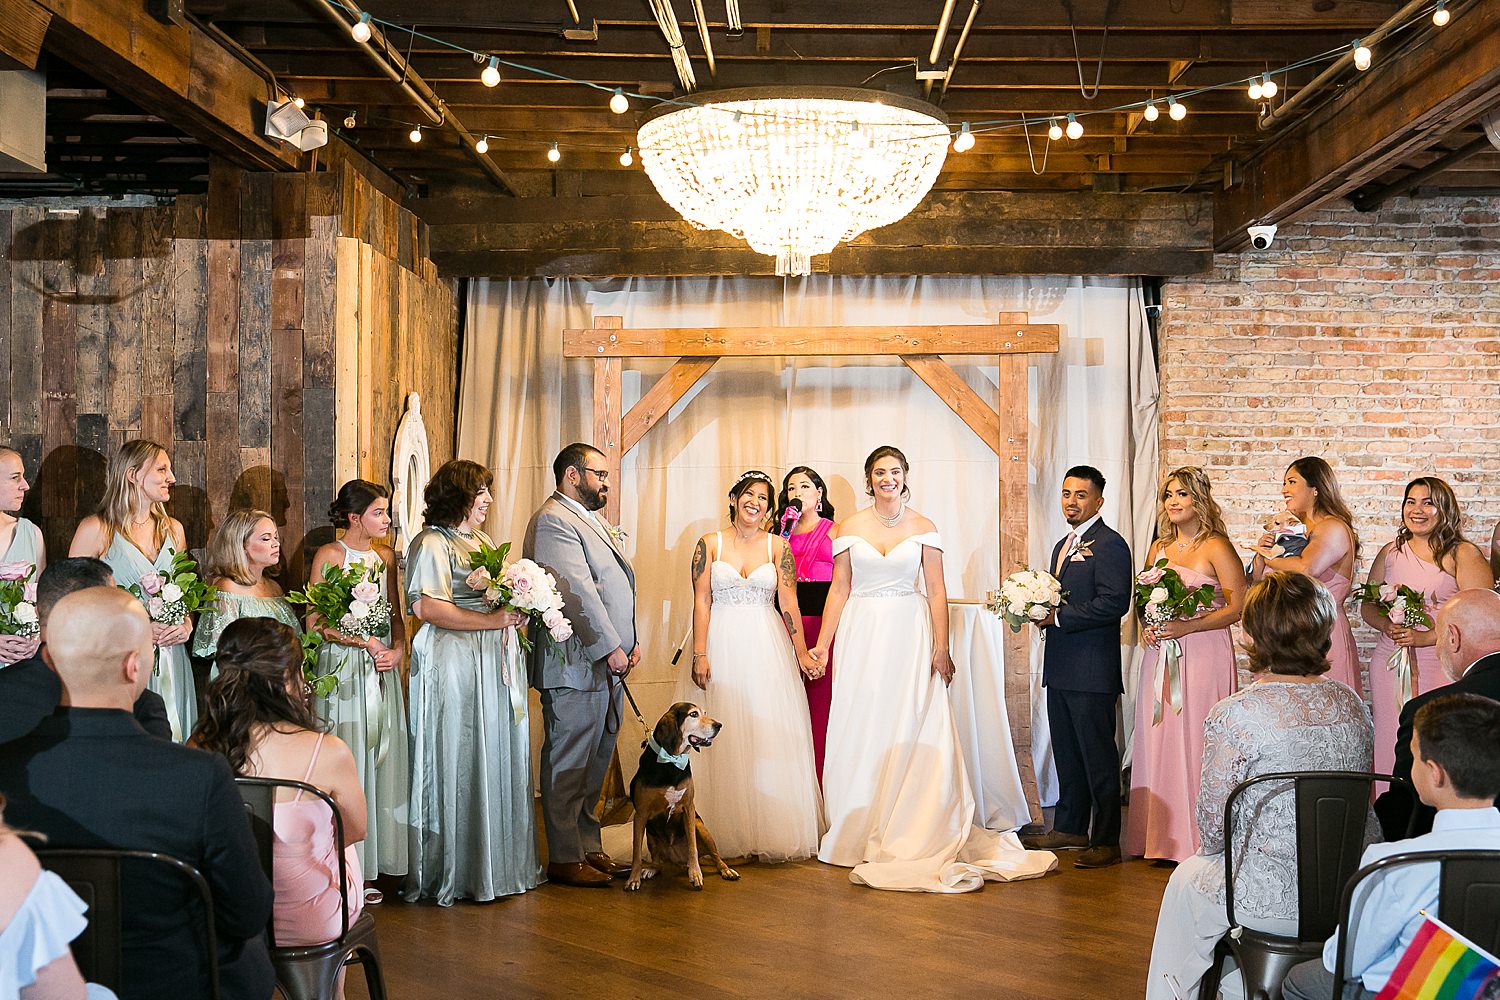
(368, 709)
(20, 542)
(132, 532)
(472, 820)
(243, 548)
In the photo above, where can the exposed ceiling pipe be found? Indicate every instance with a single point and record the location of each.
(666, 20)
(395, 66)
(708, 48)
(1278, 115)
(1448, 160)
(958, 48)
(937, 42)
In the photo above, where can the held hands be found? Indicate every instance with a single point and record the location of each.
(942, 665)
(164, 636)
(812, 668)
(384, 657)
(618, 663)
(15, 648)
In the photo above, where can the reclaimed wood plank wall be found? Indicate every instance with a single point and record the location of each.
(266, 333)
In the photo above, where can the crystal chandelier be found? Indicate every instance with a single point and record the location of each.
(794, 171)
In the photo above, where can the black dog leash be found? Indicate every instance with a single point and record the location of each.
(612, 724)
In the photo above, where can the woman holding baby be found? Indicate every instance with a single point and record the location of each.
(1312, 496)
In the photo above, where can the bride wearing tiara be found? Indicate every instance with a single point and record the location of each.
(757, 789)
(900, 809)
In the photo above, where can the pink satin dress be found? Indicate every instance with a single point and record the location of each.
(813, 552)
(304, 870)
(1343, 655)
(1167, 758)
(1402, 566)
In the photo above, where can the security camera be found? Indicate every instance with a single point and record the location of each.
(1262, 236)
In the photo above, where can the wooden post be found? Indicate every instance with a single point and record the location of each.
(607, 417)
(1014, 523)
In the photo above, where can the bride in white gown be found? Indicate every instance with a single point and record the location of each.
(757, 788)
(899, 807)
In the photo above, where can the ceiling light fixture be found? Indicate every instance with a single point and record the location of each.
(1075, 127)
(361, 29)
(964, 141)
(554, 154)
(490, 77)
(1362, 55)
(619, 103)
(1440, 15)
(1176, 109)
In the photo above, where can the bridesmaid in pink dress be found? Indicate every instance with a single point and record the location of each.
(1312, 493)
(257, 715)
(1429, 555)
(812, 548)
(1167, 756)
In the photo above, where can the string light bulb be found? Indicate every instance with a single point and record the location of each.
(1440, 16)
(490, 77)
(483, 145)
(554, 154)
(1150, 113)
(1255, 90)
(627, 157)
(299, 102)
(964, 141)
(1075, 127)
(1362, 55)
(415, 135)
(1176, 109)
(619, 103)
(361, 29)
(1268, 86)
(349, 120)
(1054, 131)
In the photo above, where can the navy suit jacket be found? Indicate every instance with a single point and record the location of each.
(1082, 651)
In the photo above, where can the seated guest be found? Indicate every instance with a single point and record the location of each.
(88, 776)
(29, 690)
(1456, 767)
(1290, 719)
(39, 915)
(1468, 645)
(257, 717)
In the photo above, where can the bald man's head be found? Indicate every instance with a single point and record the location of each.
(99, 642)
(1468, 628)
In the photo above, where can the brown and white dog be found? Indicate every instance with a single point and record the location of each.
(662, 794)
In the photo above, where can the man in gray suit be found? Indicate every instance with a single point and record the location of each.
(577, 680)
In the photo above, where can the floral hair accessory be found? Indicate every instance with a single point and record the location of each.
(752, 474)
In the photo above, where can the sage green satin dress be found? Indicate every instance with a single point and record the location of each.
(172, 675)
(232, 607)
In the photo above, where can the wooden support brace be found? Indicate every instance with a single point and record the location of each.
(660, 398)
(607, 421)
(962, 400)
(1013, 452)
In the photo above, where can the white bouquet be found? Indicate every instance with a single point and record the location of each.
(1027, 596)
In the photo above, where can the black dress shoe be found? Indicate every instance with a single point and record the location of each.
(606, 864)
(1098, 857)
(576, 873)
(1055, 841)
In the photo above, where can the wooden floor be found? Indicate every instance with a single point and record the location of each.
(783, 931)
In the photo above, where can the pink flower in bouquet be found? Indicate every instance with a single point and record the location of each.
(28, 592)
(479, 579)
(1389, 592)
(1150, 576)
(155, 607)
(348, 622)
(152, 583)
(562, 633)
(15, 570)
(366, 592)
(520, 581)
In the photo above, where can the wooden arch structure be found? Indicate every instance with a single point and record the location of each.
(921, 348)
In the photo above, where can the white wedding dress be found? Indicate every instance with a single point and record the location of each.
(756, 788)
(900, 809)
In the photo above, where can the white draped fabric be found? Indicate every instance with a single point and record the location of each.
(1094, 402)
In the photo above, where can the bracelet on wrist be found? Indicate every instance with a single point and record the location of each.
(700, 656)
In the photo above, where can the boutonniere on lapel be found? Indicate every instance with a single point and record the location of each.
(616, 532)
(1084, 551)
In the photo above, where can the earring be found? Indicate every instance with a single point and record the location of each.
(818, 508)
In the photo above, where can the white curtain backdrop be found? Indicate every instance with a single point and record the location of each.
(1095, 402)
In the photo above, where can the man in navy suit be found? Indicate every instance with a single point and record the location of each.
(1081, 672)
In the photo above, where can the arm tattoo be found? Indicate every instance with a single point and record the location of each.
(789, 622)
(700, 560)
(788, 567)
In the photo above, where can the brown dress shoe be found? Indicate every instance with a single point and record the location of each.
(1098, 857)
(578, 874)
(606, 864)
(1056, 841)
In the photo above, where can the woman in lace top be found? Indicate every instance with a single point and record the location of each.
(1291, 719)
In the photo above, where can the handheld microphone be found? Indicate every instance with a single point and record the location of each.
(790, 517)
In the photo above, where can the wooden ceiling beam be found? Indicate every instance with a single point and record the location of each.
(23, 26)
(179, 73)
(1407, 103)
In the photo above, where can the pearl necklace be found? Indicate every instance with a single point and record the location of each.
(890, 522)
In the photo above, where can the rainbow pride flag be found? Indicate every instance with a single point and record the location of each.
(1441, 964)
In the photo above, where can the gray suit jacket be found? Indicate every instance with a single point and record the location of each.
(597, 585)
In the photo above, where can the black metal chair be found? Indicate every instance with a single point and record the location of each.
(310, 972)
(1468, 898)
(94, 873)
(1332, 809)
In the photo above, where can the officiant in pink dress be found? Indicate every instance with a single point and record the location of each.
(807, 525)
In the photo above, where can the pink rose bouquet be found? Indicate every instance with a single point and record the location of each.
(1161, 596)
(522, 586)
(18, 600)
(1405, 607)
(171, 596)
(350, 600)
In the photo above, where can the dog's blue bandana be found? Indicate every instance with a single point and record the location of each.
(680, 759)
